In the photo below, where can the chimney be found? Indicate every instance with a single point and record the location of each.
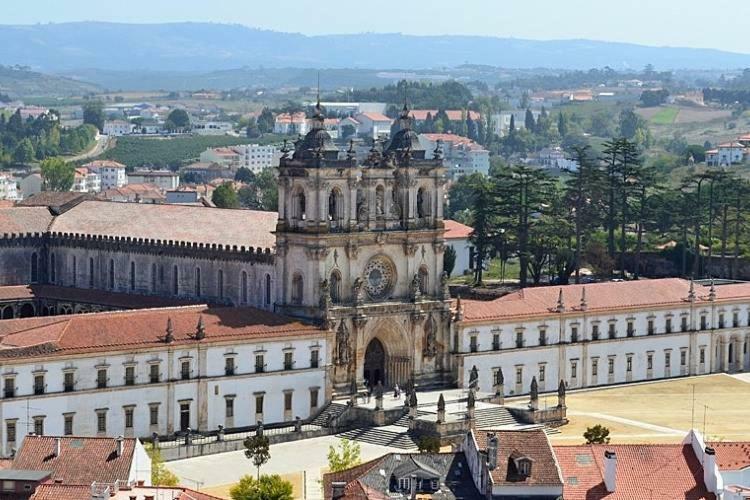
(610, 470)
(413, 487)
(492, 443)
(709, 469)
(58, 446)
(337, 488)
(120, 443)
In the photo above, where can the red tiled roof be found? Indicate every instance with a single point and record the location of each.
(147, 191)
(453, 114)
(451, 138)
(353, 490)
(599, 296)
(248, 228)
(89, 296)
(375, 117)
(53, 491)
(104, 164)
(82, 460)
(24, 220)
(732, 455)
(531, 443)
(456, 231)
(140, 329)
(643, 471)
(287, 118)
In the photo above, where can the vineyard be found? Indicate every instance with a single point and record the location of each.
(166, 152)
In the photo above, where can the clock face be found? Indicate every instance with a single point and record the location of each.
(379, 277)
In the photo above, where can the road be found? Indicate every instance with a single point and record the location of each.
(103, 143)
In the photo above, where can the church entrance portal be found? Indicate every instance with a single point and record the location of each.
(375, 363)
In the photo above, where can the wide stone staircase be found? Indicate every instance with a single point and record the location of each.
(329, 413)
(393, 436)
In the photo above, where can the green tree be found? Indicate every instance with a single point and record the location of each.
(449, 259)
(179, 119)
(346, 456)
(257, 449)
(265, 121)
(265, 488)
(429, 444)
(530, 124)
(24, 152)
(225, 196)
(245, 175)
(58, 175)
(482, 237)
(347, 131)
(93, 114)
(562, 124)
(160, 475)
(597, 434)
(268, 190)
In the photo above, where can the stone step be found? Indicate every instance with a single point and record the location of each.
(382, 437)
(331, 411)
(404, 420)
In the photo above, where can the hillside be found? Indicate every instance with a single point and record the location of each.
(209, 47)
(18, 82)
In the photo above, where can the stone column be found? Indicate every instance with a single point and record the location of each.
(499, 387)
(441, 409)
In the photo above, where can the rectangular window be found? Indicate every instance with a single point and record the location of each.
(314, 358)
(473, 345)
(721, 320)
(129, 417)
(229, 366)
(229, 407)
(153, 415)
(650, 361)
(153, 373)
(668, 325)
(629, 364)
(594, 332)
(10, 431)
(574, 334)
(667, 359)
(68, 425)
(683, 358)
(68, 381)
(39, 426)
(594, 367)
(288, 360)
(611, 367)
(542, 370)
(684, 324)
(101, 421)
(287, 401)
(651, 327)
(631, 329)
(573, 369)
(519, 376)
(260, 365)
(704, 322)
(259, 403)
(703, 355)
(404, 484)
(495, 341)
(101, 378)
(38, 384)
(9, 387)
(735, 319)
(519, 339)
(130, 375)
(185, 370)
(542, 336)
(612, 333)
(313, 398)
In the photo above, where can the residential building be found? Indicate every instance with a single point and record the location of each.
(134, 193)
(726, 154)
(118, 128)
(457, 237)
(165, 180)
(554, 157)
(211, 128)
(461, 155)
(111, 172)
(373, 125)
(54, 491)
(744, 140)
(501, 121)
(8, 188)
(290, 124)
(252, 156)
(207, 172)
(86, 181)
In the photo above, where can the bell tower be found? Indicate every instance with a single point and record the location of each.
(360, 249)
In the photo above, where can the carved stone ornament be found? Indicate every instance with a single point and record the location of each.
(430, 339)
(380, 276)
(343, 345)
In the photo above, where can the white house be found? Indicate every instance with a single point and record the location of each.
(457, 237)
(8, 188)
(290, 124)
(135, 373)
(501, 121)
(211, 128)
(118, 128)
(461, 155)
(111, 172)
(604, 333)
(86, 181)
(726, 154)
(373, 125)
(554, 157)
(165, 180)
(252, 156)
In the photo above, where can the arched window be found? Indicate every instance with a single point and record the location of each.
(91, 272)
(268, 290)
(154, 278)
(175, 281)
(335, 285)
(299, 205)
(297, 289)
(75, 270)
(52, 268)
(197, 281)
(335, 206)
(132, 275)
(244, 287)
(34, 268)
(220, 283)
(111, 273)
(424, 280)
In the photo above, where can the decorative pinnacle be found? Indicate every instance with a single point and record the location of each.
(169, 337)
(200, 331)
(712, 291)
(691, 292)
(584, 304)
(560, 302)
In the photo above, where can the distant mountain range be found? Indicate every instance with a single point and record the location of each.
(206, 47)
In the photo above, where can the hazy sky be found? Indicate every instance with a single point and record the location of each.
(721, 24)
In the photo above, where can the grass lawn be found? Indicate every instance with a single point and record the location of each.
(631, 412)
(222, 491)
(665, 116)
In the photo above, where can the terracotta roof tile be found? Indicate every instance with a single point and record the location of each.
(375, 117)
(599, 296)
(643, 471)
(349, 476)
(82, 460)
(453, 114)
(531, 443)
(145, 328)
(89, 296)
(104, 164)
(54, 491)
(24, 220)
(732, 456)
(249, 228)
(61, 492)
(456, 231)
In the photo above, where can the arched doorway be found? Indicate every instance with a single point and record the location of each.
(375, 363)
(7, 312)
(27, 311)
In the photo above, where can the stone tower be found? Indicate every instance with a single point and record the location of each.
(360, 248)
